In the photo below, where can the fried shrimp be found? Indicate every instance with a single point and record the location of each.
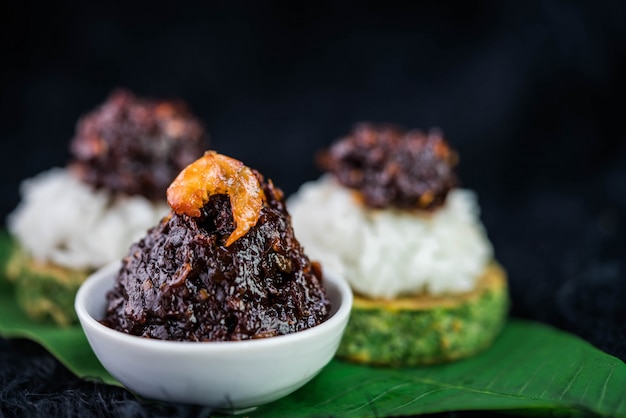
(214, 174)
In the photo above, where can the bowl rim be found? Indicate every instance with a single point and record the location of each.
(339, 316)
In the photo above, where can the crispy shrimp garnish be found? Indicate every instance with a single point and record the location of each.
(214, 174)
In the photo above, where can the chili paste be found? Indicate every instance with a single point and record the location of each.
(391, 167)
(133, 145)
(181, 282)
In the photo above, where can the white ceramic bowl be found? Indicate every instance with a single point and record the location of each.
(227, 375)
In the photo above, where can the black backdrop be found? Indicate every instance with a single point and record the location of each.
(530, 93)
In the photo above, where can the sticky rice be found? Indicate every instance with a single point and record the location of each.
(389, 253)
(63, 221)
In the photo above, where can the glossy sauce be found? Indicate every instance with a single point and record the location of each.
(181, 282)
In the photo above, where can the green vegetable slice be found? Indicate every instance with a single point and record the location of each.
(531, 368)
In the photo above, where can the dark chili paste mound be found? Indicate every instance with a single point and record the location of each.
(136, 146)
(182, 283)
(393, 167)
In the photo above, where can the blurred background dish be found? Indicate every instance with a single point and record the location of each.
(71, 221)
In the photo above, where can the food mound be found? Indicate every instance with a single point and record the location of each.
(223, 266)
(389, 217)
(76, 219)
(165, 138)
(390, 167)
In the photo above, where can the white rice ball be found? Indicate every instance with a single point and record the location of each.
(386, 253)
(66, 222)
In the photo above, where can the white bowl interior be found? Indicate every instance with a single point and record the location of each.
(227, 375)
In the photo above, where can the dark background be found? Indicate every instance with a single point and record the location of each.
(530, 93)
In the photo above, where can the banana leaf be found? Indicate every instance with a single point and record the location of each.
(530, 369)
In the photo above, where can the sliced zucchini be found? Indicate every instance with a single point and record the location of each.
(44, 291)
(423, 329)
